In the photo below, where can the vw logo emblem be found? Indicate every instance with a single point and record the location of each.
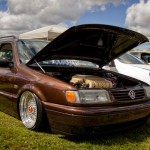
(131, 94)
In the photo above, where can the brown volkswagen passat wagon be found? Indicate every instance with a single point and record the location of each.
(63, 81)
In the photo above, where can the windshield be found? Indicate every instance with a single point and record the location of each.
(27, 49)
(129, 59)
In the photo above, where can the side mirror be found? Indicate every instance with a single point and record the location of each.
(6, 64)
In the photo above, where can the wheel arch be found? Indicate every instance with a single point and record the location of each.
(33, 89)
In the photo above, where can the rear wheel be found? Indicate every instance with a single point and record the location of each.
(31, 111)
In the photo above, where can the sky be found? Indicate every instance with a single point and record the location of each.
(19, 16)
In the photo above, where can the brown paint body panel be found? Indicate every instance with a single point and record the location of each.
(69, 120)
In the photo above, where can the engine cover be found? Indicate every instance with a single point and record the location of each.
(91, 81)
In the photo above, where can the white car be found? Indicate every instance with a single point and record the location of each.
(130, 65)
(143, 55)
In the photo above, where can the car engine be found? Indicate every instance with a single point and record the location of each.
(90, 81)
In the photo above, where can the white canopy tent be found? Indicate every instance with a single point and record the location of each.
(45, 33)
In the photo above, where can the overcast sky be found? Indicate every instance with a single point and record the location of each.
(18, 16)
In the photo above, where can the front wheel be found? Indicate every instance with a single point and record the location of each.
(31, 111)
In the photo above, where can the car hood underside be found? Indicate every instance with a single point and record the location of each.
(94, 42)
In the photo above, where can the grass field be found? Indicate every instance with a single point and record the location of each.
(14, 136)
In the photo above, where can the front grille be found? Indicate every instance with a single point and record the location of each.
(123, 95)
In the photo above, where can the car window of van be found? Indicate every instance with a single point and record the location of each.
(6, 51)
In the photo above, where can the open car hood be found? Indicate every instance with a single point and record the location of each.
(94, 42)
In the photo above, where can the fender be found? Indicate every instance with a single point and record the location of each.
(31, 88)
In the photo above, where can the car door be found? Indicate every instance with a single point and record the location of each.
(6, 78)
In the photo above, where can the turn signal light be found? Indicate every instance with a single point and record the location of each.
(70, 96)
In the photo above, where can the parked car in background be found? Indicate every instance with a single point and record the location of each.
(131, 66)
(62, 83)
(143, 55)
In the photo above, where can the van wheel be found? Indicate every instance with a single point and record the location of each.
(31, 111)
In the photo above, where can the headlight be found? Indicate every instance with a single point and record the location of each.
(88, 96)
(147, 89)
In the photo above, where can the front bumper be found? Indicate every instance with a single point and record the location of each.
(93, 120)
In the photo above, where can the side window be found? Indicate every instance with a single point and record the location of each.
(145, 57)
(6, 52)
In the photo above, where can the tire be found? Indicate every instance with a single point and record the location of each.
(31, 111)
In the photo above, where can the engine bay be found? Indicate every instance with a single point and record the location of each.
(101, 79)
(88, 78)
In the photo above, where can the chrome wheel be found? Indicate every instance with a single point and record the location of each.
(28, 109)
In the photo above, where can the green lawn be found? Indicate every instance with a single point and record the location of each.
(14, 136)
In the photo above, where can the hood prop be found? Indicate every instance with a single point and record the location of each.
(39, 66)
